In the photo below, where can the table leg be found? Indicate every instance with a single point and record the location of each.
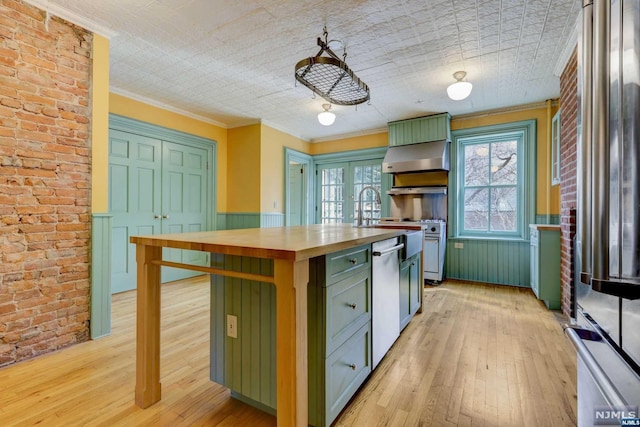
(148, 389)
(291, 280)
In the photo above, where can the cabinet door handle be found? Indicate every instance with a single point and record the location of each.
(352, 305)
(413, 263)
(156, 216)
(353, 261)
(353, 366)
(165, 216)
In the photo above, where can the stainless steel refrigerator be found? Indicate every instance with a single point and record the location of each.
(607, 248)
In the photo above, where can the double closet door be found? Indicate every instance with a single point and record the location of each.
(155, 187)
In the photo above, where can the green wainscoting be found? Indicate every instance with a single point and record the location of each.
(236, 220)
(253, 353)
(548, 219)
(503, 262)
(100, 323)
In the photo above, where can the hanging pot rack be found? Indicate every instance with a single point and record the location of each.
(330, 77)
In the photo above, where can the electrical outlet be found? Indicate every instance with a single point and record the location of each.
(232, 326)
(458, 245)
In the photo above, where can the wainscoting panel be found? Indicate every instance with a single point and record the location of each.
(100, 323)
(253, 352)
(491, 261)
(548, 219)
(235, 220)
(271, 220)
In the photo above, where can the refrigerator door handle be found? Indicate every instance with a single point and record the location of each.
(620, 289)
(609, 391)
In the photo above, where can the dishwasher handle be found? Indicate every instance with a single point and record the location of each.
(388, 251)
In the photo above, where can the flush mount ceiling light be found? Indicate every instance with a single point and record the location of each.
(459, 90)
(326, 117)
(329, 77)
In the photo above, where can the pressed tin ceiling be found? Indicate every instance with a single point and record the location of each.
(232, 62)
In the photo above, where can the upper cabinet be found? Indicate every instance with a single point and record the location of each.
(421, 129)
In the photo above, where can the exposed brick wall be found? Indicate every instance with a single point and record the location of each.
(44, 182)
(568, 145)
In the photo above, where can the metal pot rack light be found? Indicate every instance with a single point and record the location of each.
(330, 77)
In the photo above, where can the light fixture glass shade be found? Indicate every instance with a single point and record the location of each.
(326, 117)
(459, 90)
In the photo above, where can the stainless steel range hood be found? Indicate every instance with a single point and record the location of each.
(425, 156)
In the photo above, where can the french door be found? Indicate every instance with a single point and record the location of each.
(155, 187)
(339, 186)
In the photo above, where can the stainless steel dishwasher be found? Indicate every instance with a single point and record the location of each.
(385, 293)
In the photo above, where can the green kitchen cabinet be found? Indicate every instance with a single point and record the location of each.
(410, 289)
(339, 331)
(339, 315)
(421, 129)
(545, 263)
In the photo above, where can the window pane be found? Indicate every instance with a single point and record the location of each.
(332, 193)
(476, 164)
(504, 202)
(504, 161)
(367, 175)
(476, 203)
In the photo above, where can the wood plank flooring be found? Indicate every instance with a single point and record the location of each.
(479, 355)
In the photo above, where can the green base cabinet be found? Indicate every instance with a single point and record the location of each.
(339, 331)
(410, 289)
(545, 263)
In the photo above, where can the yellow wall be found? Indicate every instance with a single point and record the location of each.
(100, 125)
(147, 113)
(352, 143)
(421, 178)
(272, 147)
(548, 197)
(244, 166)
(250, 169)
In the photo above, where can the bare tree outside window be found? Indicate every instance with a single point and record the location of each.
(491, 186)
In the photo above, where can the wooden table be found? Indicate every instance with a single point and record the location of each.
(290, 248)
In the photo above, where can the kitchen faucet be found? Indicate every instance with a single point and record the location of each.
(378, 201)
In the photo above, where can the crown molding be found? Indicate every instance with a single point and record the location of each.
(164, 106)
(515, 108)
(569, 46)
(349, 135)
(73, 17)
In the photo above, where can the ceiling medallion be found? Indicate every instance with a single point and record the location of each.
(330, 77)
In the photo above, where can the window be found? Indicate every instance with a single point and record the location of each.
(339, 184)
(493, 181)
(332, 183)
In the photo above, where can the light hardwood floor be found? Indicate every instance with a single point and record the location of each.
(478, 355)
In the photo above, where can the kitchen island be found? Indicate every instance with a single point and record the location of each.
(290, 248)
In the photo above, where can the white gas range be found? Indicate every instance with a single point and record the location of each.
(433, 246)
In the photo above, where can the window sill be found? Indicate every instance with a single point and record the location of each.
(485, 238)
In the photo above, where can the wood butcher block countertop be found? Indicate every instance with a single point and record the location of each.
(290, 243)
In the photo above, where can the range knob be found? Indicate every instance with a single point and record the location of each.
(433, 229)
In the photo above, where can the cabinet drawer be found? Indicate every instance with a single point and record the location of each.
(346, 370)
(347, 262)
(348, 308)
